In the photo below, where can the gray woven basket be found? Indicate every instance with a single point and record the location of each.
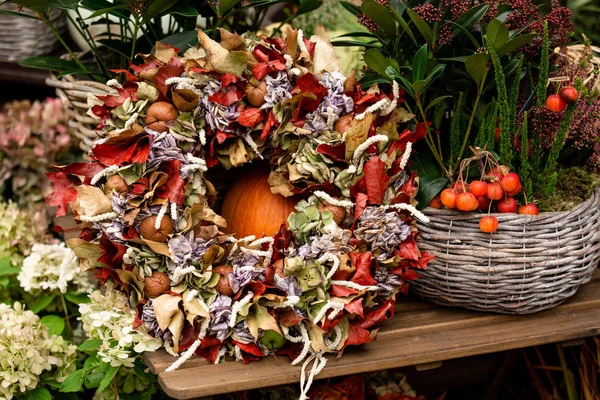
(530, 264)
(22, 37)
(74, 94)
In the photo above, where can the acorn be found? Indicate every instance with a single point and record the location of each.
(343, 124)
(161, 235)
(256, 94)
(339, 213)
(159, 113)
(156, 284)
(223, 285)
(116, 183)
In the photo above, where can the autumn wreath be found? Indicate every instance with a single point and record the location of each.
(308, 265)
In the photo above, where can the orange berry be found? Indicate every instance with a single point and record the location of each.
(507, 205)
(529, 209)
(448, 198)
(488, 224)
(495, 191)
(478, 188)
(510, 182)
(466, 202)
(555, 103)
(435, 202)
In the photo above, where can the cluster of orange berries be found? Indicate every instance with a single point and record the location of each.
(558, 102)
(497, 188)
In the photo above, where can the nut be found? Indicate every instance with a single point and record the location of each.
(156, 284)
(223, 285)
(343, 124)
(148, 231)
(256, 94)
(158, 113)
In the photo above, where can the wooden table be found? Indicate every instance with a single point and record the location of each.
(421, 334)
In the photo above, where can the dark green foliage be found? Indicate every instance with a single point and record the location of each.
(514, 97)
(544, 67)
(525, 168)
(491, 126)
(455, 129)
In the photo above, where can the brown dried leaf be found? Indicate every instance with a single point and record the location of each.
(357, 134)
(91, 201)
(231, 41)
(165, 307)
(220, 59)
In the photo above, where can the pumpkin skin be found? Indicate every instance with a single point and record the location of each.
(250, 207)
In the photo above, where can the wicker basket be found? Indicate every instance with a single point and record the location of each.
(74, 94)
(530, 264)
(22, 37)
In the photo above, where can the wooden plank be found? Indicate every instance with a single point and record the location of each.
(420, 334)
(13, 72)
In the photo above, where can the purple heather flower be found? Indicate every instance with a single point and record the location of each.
(334, 104)
(279, 89)
(383, 230)
(220, 312)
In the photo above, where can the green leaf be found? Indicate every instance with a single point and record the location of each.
(402, 22)
(54, 323)
(307, 6)
(105, 6)
(471, 17)
(182, 40)
(516, 43)
(108, 377)
(367, 81)
(50, 63)
(113, 10)
(376, 61)
(430, 181)
(436, 101)
(42, 302)
(80, 298)
(464, 30)
(185, 11)
(37, 394)
(37, 6)
(402, 81)
(64, 4)
(73, 382)
(90, 345)
(497, 32)
(350, 7)
(117, 45)
(380, 15)
(6, 268)
(477, 67)
(421, 25)
(18, 14)
(420, 64)
(226, 5)
(355, 43)
(356, 34)
(158, 7)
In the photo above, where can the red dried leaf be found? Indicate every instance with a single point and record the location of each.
(307, 83)
(249, 348)
(287, 317)
(355, 307)
(228, 96)
(127, 92)
(129, 77)
(380, 314)
(406, 274)
(63, 193)
(228, 79)
(172, 69)
(357, 335)
(310, 46)
(425, 259)
(271, 123)
(251, 116)
(124, 149)
(111, 253)
(342, 291)
(173, 188)
(362, 265)
(102, 112)
(361, 204)
(260, 70)
(408, 250)
(336, 153)
(376, 179)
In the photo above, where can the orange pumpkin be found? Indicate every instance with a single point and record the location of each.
(250, 207)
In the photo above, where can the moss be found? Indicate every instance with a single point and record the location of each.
(573, 186)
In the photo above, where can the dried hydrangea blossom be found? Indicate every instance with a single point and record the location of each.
(383, 230)
(334, 105)
(41, 270)
(109, 317)
(279, 89)
(29, 354)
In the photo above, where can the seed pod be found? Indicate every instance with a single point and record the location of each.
(159, 113)
(161, 235)
(256, 94)
(223, 285)
(116, 183)
(343, 124)
(156, 284)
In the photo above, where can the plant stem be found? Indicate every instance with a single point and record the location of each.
(134, 39)
(62, 42)
(437, 155)
(66, 310)
(471, 119)
(149, 23)
(89, 40)
(114, 387)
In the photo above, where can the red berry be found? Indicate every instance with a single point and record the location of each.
(495, 191)
(514, 192)
(569, 94)
(448, 198)
(529, 209)
(497, 134)
(507, 205)
(555, 103)
(435, 202)
(484, 203)
(510, 182)
(460, 187)
(488, 224)
(499, 172)
(466, 202)
(478, 188)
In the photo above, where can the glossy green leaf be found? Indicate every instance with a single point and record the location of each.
(182, 40)
(73, 382)
(420, 64)
(404, 25)
(80, 298)
(471, 17)
(226, 5)
(108, 377)
(431, 183)
(37, 394)
(90, 345)
(376, 61)
(50, 63)
(107, 7)
(421, 25)
(402, 81)
(515, 44)
(18, 14)
(113, 10)
(356, 43)
(465, 31)
(369, 80)
(37, 6)
(307, 6)
(118, 46)
(54, 323)
(42, 302)
(64, 4)
(380, 15)
(350, 7)
(434, 102)
(477, 67)
(158, 7)
(185, 11)
(497, 32)
(6, 268)
(357, 34)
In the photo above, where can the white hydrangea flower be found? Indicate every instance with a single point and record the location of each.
(41, 269)
(109, 317)
(28, 353)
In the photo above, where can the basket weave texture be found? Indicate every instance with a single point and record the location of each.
(74, 94)
(22, 37)
(529, 264)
